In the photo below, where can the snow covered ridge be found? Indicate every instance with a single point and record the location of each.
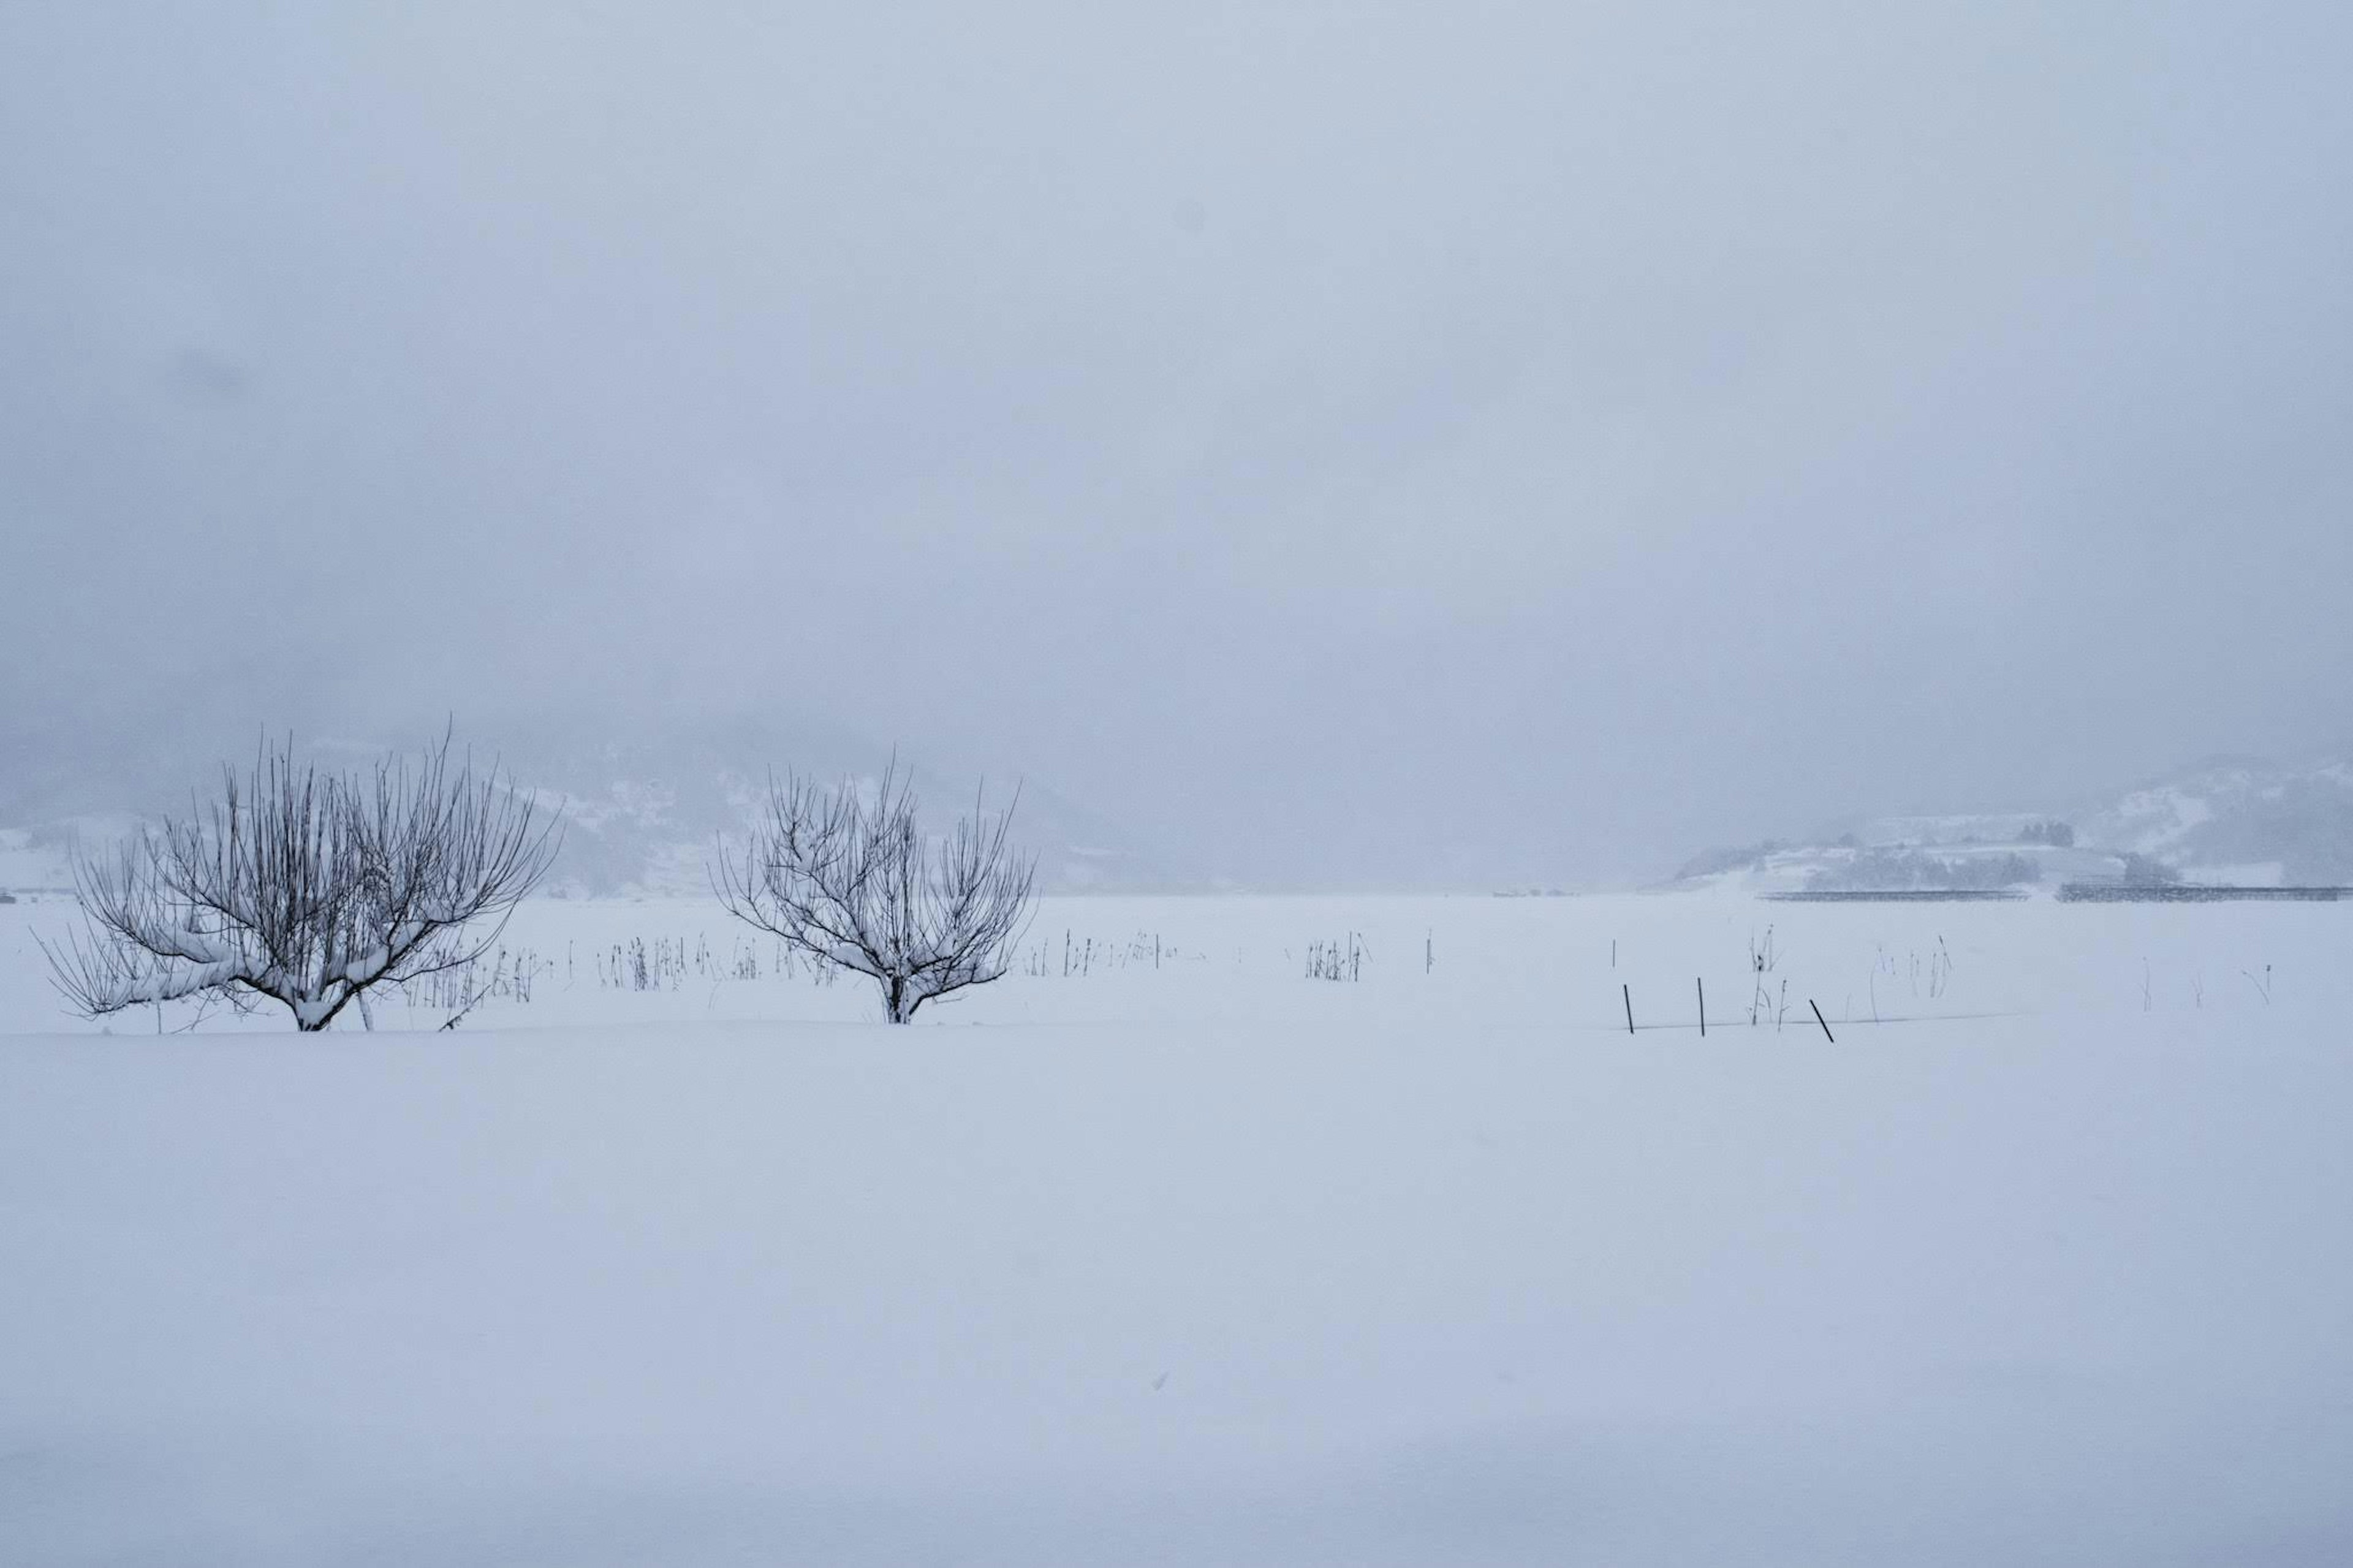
(2238, 814)
(1900, 867)
(2232, 822)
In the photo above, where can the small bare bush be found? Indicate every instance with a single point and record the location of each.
(306, 888)
(850, 880)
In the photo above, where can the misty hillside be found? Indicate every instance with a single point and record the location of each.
(642, 812)
(1961, 854)
(2243, 820)
(2238, 819)
(642, 803)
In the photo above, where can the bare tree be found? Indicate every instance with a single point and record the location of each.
(850, 879)
(305, 889)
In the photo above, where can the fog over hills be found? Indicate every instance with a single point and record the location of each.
(645, 794)
(2224, 819)
(1388, 446)
(642, 807)
(2243, 813)
(643, 799)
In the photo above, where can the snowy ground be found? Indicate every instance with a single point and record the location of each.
(1210, 1262)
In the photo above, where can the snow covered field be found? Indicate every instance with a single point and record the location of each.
(1204, 1261)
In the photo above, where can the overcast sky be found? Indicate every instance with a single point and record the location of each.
(1368, 442)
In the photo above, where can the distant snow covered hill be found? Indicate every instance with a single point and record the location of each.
(1856, 864)
(33, 862)
(643, 803)
(2240, 820)
(642, 811)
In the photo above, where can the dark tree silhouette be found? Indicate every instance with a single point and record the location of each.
(850, 879)
(306, 888)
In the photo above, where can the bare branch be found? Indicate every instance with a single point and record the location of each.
(855, 883)
(306, 888)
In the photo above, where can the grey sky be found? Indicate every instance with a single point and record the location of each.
(1355, 442)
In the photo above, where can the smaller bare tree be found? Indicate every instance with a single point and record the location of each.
(850, 879)
(305, 889)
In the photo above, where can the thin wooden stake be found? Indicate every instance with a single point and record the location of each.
(1703, 1006)
(1820, 1019)
(1629, 990)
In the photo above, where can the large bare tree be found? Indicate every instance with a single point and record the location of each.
(306, 888)
(849, 877)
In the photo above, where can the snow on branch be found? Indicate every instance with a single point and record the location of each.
(853, 881)
(306, 888)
